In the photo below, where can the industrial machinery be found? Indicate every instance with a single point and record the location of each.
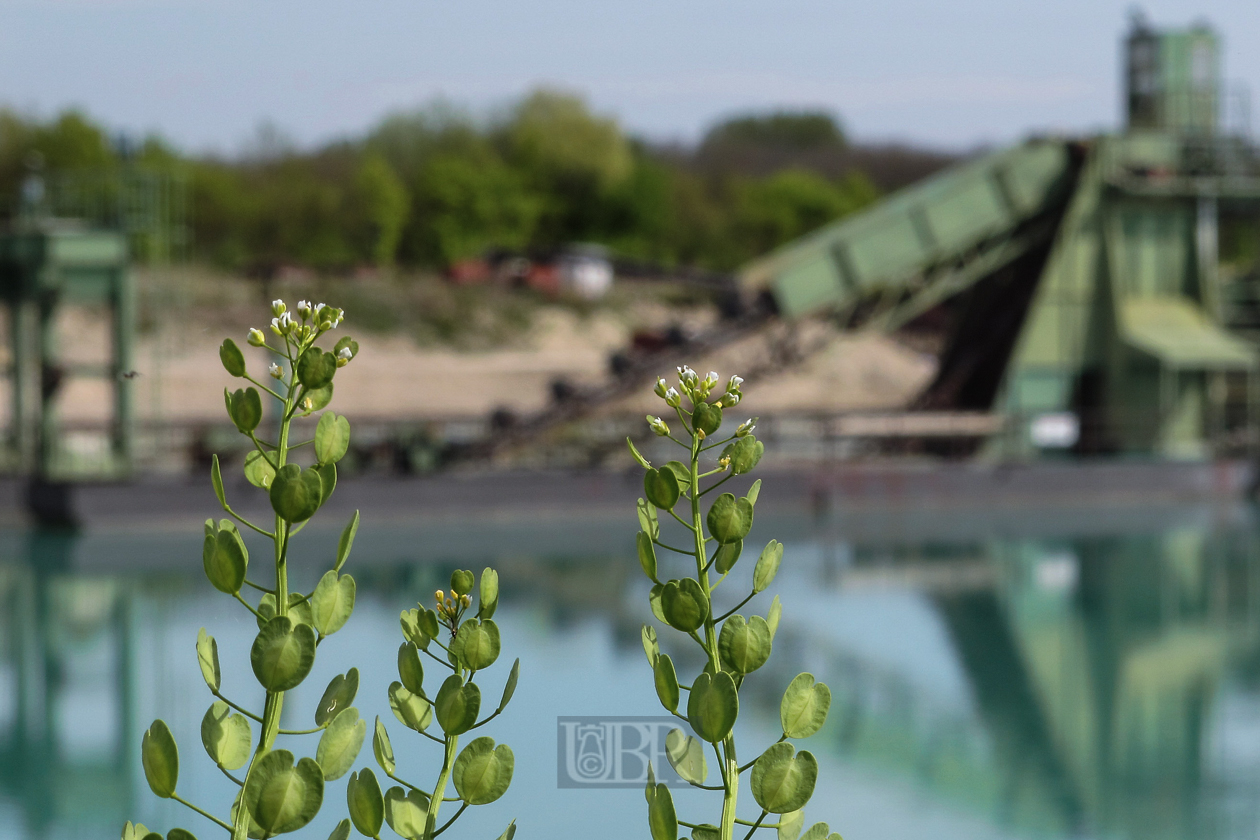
(1081, 277)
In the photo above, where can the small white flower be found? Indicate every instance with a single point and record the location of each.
(286, 321)
(746, 427)
(344, 353)
(256, 338)
(711, 379)
(275, 326)
(687, 376)
(672, 398)
(661, 386)
(318, 308)
(658, 425)
(277, 307)
(304, 309)
(275, 370)
(733, 385)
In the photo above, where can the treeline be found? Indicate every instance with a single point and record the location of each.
(428, 188)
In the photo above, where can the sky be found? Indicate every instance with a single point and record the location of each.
(952, 75)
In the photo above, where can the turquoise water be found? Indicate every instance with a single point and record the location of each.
(1093, 674)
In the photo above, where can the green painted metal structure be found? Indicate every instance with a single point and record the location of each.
(45, 264)
(1083, 277)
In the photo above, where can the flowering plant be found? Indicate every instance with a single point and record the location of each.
(782, 779)
(277, 794)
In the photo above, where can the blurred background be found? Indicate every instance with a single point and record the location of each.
(992, 274)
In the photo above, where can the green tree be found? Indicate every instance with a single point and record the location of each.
(387, 205)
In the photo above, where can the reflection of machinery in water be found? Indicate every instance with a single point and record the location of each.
(1096, 671)
(65, 719)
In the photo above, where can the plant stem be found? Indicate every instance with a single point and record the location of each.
(275, 699)
(729, 766)
(435, 801)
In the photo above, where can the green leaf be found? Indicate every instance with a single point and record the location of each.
(643, 462)
(245, 409)
(509, 688)
(180, 834)
(509, 832)
(160, 758)
(232, 357)
(332, 602)
(686, 756)
(412, 628)
(337, 696)
(316, 368)
(803, 710)
(729, 518)
(341, 832)
(296, 493)
(457, 705)
(753, 493)
(258, 470)
(327, 480)
(744, 646)
(483, 771)
(767, 565)
(332, 438)
(661, 488)
(476, 645)
(707, 417)
(346, 541)
(488, 594)
(216, 481)
(340, 744)
(662, 818)
(282, 654)
(684, 604)
(382, 748)
(410, 671)
(666, 680)
(648, 520)
(208, 659)
(226, 736)
(405, 811)
(319, 397)
(366, 805)
(773, 615)
(713, 706)
(412, 710)
(706, 831)
(790, 825)
(280, 796)
(782, 779)
(727, 555)
(647, 555)
(225, 558)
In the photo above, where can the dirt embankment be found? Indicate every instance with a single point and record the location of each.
(398, 376)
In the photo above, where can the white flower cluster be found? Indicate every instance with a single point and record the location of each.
(319, 316)
(698, 390)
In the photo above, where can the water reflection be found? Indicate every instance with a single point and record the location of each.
(1063, 682)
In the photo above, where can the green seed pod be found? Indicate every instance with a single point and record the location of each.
(316, 368)
(707, 417)
(482, 772)
(782, 779)
(462, 581)
(366, 805)
(232, 358)
(661, 488)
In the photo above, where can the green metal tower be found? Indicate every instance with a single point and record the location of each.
(1082, 276)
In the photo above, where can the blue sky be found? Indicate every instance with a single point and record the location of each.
(206, 73)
